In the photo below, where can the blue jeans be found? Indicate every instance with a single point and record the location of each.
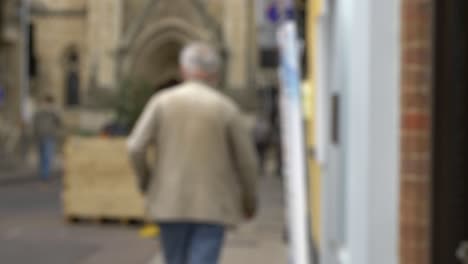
(46, 157)
(189, 243)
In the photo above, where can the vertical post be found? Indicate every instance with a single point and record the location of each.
(293, 143)
(25, 14)
(251, 44)
(120, 34)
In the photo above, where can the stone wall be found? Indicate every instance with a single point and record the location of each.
(103, 34)
(236, 32)
(62, 5)
(60, 28)
(10, 48)
(131, 9)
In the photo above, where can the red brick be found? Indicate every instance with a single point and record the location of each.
(416, 167)
(416, 30)
(416, 121)
(414, 200)
(418, 191)
(416, 55)
(416, 16)
(416, 10)
(416, 79)
(415, 143)
(416, 103)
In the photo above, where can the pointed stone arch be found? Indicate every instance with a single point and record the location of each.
(160, 30)
(153, 57)
(200, 16)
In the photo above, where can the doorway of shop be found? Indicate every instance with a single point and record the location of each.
(450, 171)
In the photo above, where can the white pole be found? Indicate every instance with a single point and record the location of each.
(24, 58)
(293, 144)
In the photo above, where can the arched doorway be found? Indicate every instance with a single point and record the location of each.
(153, 55)
(158, 65)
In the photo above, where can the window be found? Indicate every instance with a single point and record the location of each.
(72, 78)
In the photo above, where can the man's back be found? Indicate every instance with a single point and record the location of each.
(193, 126)
(205, 166)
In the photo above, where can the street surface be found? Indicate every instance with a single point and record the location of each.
(33, 230)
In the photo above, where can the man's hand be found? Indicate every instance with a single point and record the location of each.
(250, 211)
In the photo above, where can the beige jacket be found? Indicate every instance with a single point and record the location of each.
(205, 166)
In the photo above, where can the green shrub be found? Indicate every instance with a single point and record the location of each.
(131, 98)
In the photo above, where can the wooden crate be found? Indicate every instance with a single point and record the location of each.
(99, 182)
(100, 204)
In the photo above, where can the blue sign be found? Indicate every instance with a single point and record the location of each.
(274, 12)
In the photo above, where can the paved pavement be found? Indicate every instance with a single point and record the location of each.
(261, 241)
(14, 170)
(32, 230)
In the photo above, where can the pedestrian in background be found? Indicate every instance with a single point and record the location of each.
(47, 128)
(262, 137)
(204, 177)
(26, 124)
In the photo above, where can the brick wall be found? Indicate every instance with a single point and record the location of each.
(416, 132)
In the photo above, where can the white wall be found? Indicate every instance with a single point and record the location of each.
(372, 153)
(385, 131)
(359, 59)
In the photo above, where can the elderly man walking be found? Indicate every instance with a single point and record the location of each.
(203, 178)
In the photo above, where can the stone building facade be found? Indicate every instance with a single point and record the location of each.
(81, 45)
(10, 47)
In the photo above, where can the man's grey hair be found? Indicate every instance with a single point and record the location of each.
(200, 56)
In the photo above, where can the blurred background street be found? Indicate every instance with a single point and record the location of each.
(359, 106)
